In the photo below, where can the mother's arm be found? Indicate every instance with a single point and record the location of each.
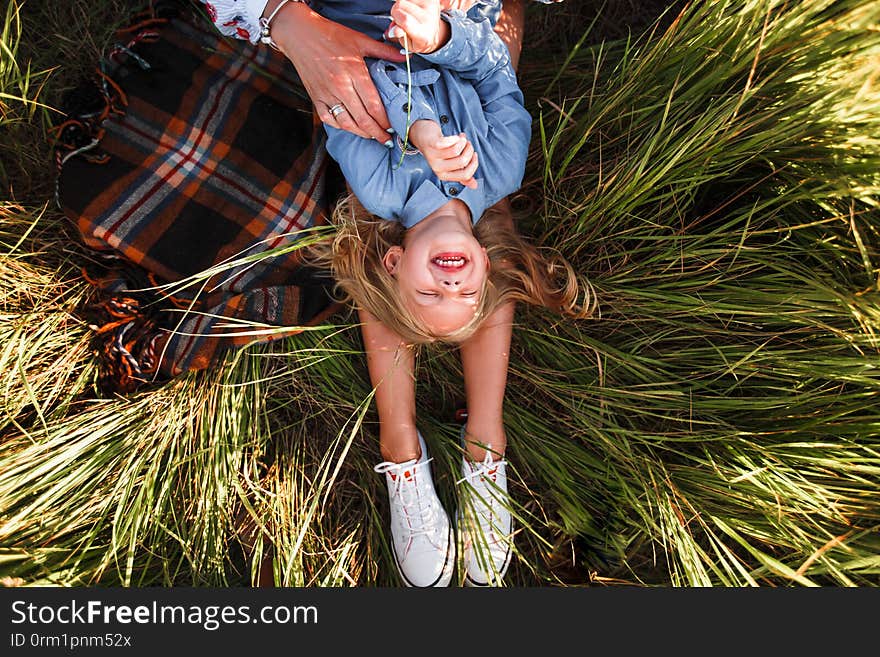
(328, 57)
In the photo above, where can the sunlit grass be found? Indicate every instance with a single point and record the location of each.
(720, 185)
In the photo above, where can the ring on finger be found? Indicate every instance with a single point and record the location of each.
(337, 109)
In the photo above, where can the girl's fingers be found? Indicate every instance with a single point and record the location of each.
(445, 142)
(450, 147)
(421, 4)
(410, 20)
(463, 175)
(463, 158)
(470, 170)
(463, 5)
(452, 159)
(411, 9)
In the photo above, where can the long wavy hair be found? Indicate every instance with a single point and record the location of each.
(518, 271)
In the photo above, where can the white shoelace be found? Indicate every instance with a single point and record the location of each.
(406, 493)
(478, 476)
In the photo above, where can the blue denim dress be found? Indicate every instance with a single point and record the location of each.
(467, 86)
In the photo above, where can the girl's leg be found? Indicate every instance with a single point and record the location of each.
(485, 356)
(484, 519)
(421, 534)
(392, 365)
(484, 359)
(485, 522)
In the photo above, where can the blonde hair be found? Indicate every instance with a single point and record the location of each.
(518, 271)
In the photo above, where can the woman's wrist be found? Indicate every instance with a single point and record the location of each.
(279, 16)
(270, 7)
(288, 25)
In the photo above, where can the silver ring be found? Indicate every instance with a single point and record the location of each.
(337, 109)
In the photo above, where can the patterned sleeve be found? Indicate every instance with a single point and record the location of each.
(236, 18)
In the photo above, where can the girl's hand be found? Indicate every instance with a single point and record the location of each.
(451, 158)
(420, 21)
(329, 59)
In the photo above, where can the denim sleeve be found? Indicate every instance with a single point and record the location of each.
(478, 55)
(474, 50)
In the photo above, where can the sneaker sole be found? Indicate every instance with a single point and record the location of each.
(468, 580)
(445, 576)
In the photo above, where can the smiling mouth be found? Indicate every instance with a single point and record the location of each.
(450, 261)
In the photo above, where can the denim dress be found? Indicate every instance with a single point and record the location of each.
(467, 86)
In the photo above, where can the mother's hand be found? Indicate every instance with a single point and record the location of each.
(329, 59)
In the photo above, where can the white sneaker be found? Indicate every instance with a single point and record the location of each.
(421, 535)
(484, 521)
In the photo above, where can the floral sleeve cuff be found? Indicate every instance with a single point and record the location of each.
(237, 18)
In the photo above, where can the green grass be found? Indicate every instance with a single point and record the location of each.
(716, 176)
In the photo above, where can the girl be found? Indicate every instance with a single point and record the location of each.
(442, 260)
(422, 537)
(425, 258)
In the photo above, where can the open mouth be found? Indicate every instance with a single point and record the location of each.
(450, 261)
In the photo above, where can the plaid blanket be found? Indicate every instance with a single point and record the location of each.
(193, 166)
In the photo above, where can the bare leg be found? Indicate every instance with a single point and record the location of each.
(484, 359)
(486, 354)
(421, 532)
(391, 365)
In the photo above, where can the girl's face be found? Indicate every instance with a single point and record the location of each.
(440, 269)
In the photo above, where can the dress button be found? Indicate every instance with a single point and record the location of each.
(405, 107)
(453, 191)
(444, 118)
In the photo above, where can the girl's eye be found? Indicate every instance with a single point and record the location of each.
(468, 295)
(427, 294)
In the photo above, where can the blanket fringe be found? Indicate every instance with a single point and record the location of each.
(125, 336)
